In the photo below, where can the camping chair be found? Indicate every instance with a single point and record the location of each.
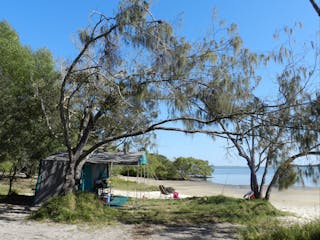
(166, 191)
(101, 187)
(249, 195)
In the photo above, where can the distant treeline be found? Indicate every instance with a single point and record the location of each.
(160, 167)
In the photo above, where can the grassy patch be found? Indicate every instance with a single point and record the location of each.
(121, 184)
(79, 208)
(309, 231)
(20, 185)
(201, 210)
(3, 188)
(86, 208)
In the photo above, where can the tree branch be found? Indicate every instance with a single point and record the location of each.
(306, 165)
(284, 165)
(194, 131)
(241, 152)
(315, 6)
(43, 108)
(64, 118)
(155, 127)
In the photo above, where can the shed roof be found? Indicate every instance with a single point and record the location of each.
(107, 157)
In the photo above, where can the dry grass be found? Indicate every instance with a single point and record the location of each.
(23, 186)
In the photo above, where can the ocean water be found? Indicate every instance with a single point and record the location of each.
(235, 175)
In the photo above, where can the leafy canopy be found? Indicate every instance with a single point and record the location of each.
(28, 84)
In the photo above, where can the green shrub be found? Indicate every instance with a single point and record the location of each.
(202, 210)
(75, 208)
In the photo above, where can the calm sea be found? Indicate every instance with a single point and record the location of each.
(234, 175)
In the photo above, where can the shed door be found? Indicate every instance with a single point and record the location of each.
(87, 181)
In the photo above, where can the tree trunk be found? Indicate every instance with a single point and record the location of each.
(263, 180)
(12, 176)
(264, 176)
(268, 192)
(73, 175)
(254, 183)
(2, 172)
(78, 170)
(253, 175)
(70, 183)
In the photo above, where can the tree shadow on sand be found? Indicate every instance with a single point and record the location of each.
(17, 199)
(15, 207)
(197, 232)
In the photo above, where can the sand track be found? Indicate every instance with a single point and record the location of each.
(14, 225)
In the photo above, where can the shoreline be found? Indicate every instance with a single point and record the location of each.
(247, 186)
(303, 202)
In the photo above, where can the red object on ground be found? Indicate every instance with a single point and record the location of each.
(252, 196)
(175, 195)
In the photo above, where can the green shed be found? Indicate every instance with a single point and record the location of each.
(52, 171)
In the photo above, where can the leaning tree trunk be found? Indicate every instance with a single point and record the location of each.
(272, 183)
(268, 192)
(263, 179)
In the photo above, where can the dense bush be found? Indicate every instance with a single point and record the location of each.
(161, 167)
(158, 167)
(192, 167)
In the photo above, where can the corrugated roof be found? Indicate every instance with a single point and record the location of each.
(104, 157)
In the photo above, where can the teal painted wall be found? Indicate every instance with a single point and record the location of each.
(86, 181)
(143, 160)
(91, 173)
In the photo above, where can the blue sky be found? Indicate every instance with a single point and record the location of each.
(54, 23)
